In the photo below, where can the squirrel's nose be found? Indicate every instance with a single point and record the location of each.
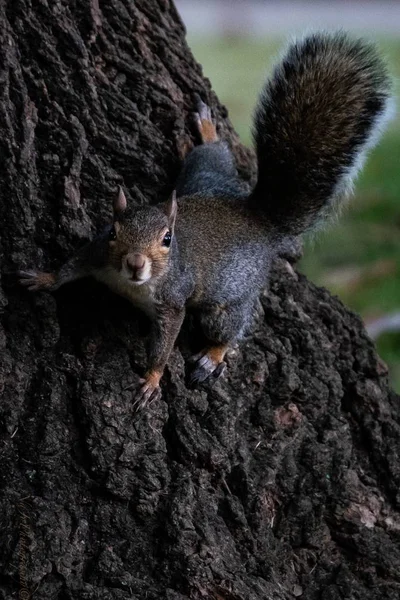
(135, 262)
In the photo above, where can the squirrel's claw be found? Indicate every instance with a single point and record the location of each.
(36, 280)
(147, 393)
(205, 366)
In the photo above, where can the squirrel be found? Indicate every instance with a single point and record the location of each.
(211, 245)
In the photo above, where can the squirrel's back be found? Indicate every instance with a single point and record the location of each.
(323, 108)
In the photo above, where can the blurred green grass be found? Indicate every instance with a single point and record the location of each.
(358, 257)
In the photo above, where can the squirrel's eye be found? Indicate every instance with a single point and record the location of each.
(113, 235)
(167, 239)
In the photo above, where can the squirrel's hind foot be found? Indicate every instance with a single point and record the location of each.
(36, 280)
(204, 122)
(208, 364)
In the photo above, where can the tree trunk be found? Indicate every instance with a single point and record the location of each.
(282, 480)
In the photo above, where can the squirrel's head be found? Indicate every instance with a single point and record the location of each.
(140, 241)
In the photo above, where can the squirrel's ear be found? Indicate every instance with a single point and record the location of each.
(171, 209)
(119, 202)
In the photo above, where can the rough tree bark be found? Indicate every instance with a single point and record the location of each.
(281, 481)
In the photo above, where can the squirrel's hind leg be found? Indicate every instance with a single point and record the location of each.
(209, 169)
(222, 325)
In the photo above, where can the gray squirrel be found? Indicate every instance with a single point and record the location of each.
(211, 245)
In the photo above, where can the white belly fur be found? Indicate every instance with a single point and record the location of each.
(141, 296)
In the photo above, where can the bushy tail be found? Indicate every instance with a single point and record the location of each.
(325, 105)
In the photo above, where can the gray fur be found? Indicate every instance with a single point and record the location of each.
(198, 173)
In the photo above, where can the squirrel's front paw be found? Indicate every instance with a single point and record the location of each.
(36, 280)
(149, 391)
(208, 363)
